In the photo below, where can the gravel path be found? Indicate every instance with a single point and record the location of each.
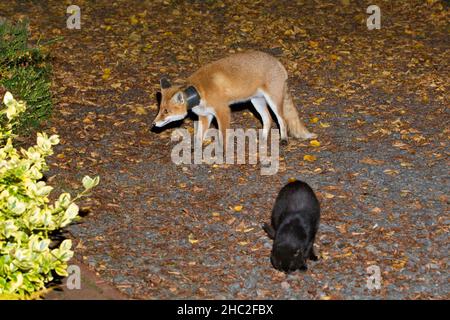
(156, 230)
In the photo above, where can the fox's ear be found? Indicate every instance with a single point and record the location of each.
(165, 84)
(179, 97)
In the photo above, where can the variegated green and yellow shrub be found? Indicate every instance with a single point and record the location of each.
(29, 259)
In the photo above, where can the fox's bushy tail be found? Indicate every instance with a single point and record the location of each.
(295, 125)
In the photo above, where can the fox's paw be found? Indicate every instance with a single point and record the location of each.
(310, 135)
(305, 135)
(284, 142)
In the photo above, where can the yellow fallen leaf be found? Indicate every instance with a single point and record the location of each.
(237, 208)
(215, 214)
(134, 20)
(328, 195)
(292, 179)
(87, 120)
(192, 239)
(313, 44)
(344, 255)
(106, 73)
(141, 111)
(309, 158)
(334, 57)
(289, 32)
(324, 124)
(314, 143)
(399, 264)
(314, 120)
(319, 101)
(243, 243)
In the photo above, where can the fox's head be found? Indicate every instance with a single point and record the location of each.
(173, 105)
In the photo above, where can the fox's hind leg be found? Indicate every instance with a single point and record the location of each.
(261, 107)
(275, 102)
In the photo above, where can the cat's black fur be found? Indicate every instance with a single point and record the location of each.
(295, 221)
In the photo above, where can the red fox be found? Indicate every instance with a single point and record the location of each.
(253, 75)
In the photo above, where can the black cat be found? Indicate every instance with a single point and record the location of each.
(295, 221)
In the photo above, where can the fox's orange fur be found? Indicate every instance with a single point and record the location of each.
(252, 75)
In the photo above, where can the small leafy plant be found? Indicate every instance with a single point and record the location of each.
(25, 71)
(29, 258)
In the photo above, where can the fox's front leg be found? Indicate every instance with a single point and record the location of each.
(203, 125)
(223, 118)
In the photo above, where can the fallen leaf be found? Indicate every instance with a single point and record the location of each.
(313, 44)
(140, 111)
(134, 20)
(342, 228)
(106, 73)
(192, 239)
(371, 161)
(318, 170)
(314, 143)
(309, 158)
(399, 264)
(391, 172)
(376, 210)
(319, 101)
(328, 195)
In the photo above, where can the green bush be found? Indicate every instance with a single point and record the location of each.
(29, 258)
(24, 71)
